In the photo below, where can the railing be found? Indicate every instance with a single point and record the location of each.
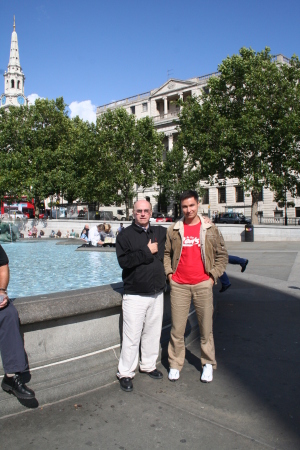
(204, 78)
(172, 115)
(292, 221)
(125, 101)
(281, 58)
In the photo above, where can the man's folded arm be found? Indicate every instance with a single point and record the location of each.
(128, 258)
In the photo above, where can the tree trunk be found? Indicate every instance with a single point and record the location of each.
(127, 208)
(37, 207)
(254, 212)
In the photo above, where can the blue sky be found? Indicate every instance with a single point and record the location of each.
(92, 52)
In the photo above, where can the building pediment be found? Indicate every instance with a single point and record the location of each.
(171, 86)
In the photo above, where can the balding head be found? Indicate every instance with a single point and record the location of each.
(142, 211)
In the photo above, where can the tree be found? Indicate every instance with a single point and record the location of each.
(50, 128)
(247, 125)
(131, 153)
(177, 175)
(15, 135)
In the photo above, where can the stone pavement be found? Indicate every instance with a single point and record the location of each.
(252, 403)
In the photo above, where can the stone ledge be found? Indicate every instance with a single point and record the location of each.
(73, 341)
(60, 305)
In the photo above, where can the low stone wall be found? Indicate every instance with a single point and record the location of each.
(230, 232)
(262, 233)
(73, 340)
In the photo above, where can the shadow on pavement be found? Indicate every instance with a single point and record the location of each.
(257, 340)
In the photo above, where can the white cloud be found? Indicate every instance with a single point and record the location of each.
(32, 98)
(85, 110)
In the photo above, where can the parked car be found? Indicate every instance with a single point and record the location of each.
(233, 218)
(157, 217)
(82, 214)
(164, 219)
(18, 215)
(121, 215)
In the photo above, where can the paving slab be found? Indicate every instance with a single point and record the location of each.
(252, 403)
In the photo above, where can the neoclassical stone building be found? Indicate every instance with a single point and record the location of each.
(14, 77)
(161, 105)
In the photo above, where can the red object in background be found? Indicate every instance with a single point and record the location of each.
(164, 219)
(27, 208)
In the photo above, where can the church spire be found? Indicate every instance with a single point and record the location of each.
(14, 59)
(14, 77)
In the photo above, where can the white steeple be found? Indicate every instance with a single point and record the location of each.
(14, 59)
(14, 77)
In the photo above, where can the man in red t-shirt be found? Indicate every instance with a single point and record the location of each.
(195, 256)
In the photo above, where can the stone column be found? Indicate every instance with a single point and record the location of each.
(170, 141)
(180, 98)
(165, 105)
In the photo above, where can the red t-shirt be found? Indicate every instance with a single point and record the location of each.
(190, 269)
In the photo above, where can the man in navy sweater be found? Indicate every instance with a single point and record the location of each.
(140, 252)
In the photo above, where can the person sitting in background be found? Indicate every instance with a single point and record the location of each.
(87, 231)
(84, 236)
(72, 234)
(13, 356)
(121, 228)
(34, 231)
(42, 233)
(96, 235)
(232, 260)
(109, 237)
(58, 234)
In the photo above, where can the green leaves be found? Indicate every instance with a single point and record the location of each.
(131, 151)
(43, 152)
(247, 125)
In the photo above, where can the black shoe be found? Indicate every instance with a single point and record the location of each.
(244, 266)
(224, 288)
(126, 384)
(156, 374)
(17, 387)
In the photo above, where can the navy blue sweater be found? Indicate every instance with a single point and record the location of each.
(143, 272)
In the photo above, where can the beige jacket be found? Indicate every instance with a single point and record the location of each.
(213, 252)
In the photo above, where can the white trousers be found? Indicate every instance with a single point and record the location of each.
(142, 322)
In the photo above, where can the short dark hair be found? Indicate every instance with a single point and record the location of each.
(189, 194)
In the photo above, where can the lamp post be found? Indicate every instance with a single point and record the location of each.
(285, 208)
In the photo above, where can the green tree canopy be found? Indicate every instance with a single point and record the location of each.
(247, 124)
(131, 153)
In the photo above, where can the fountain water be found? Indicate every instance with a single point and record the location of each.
(42, 267)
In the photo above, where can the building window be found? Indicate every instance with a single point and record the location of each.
(132, 109)
(222, 195)
(205, 198)
(239, 194)
(18, 84)
(12, 83)
(145, 107)
(278, 214)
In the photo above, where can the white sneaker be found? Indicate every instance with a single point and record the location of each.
(207, 373)
(173, 375)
